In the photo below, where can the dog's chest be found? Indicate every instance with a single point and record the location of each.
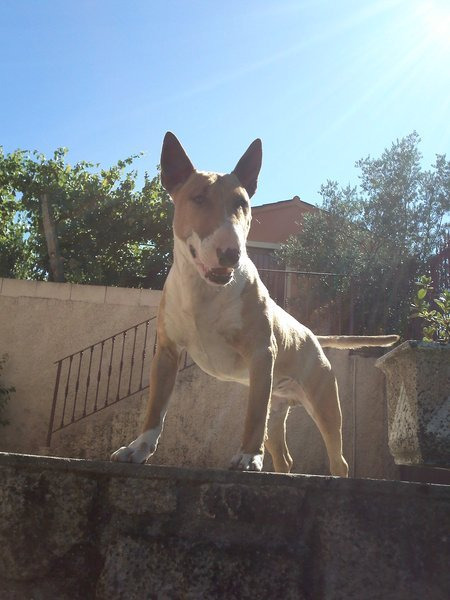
(206, 327)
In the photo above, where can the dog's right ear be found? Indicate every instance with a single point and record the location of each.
(247, 169)
(175, 164)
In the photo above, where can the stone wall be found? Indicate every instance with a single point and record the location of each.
(76, 530)
(42, 322)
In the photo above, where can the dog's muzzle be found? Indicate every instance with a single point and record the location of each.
(228, 259)
(220, 275)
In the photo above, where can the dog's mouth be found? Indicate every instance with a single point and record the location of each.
(220, 275)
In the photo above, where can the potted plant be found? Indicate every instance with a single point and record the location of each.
(418, 385)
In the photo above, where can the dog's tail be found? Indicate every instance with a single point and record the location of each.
(352, 342)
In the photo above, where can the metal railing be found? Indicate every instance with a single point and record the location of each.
(300, 294)
(102, 374)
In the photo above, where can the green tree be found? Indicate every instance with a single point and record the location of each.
(15, 258)
(14, 249)
(81, 223)
(377, 236)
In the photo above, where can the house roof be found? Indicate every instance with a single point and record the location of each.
(273, 223)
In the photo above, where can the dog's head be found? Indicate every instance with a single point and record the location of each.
(212, 211)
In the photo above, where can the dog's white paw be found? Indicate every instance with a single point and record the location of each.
(247, 462)
(132, 455)
(139, 450)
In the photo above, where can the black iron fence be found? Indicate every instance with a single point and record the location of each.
(100, 375)
(313, 298)
(376, 302)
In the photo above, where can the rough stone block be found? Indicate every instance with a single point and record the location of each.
(137, 496)
(77, 529)
(43, 516)
(174, 568)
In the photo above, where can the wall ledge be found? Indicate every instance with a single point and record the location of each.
(97, 294)
(34, 462)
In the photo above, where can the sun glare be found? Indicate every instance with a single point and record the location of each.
(436, 21)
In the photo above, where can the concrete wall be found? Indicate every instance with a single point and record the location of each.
(73, 530)
(42, 322)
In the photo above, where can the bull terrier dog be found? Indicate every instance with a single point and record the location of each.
(215, 306)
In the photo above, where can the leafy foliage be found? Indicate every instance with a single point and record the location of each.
(14, 249)
(436, 321)
(109, 231)
(377, 236)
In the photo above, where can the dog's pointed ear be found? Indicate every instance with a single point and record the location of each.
(175, 164)
(247, 169)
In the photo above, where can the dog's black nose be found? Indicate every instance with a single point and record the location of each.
(229, 258)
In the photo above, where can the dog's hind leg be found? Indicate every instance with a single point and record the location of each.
(276, 437)
(321, 400)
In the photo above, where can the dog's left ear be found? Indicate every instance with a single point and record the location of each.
(175, 164)
(247, 169)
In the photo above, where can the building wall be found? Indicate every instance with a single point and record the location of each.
(275, 222)
(43, 322)
(272, 224)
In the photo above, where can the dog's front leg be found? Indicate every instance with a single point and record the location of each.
(251, 455)
(163, 373)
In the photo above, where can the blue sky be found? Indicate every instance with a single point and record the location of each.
(322, 82)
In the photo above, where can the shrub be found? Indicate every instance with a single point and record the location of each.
(435, 315)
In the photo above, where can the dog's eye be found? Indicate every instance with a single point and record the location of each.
(241, 203)
(199, 200)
